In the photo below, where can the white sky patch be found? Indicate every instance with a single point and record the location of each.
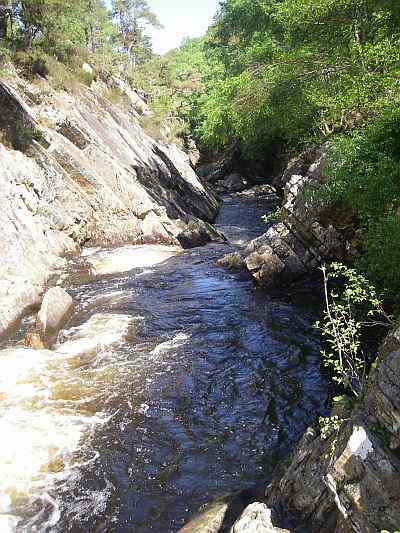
(180, 18)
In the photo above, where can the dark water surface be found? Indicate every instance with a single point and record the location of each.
(213, 382)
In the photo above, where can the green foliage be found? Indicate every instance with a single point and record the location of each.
(364, 177)
(133, 18)
(330, 427)
(275, 216)
(292, 70)
(350, 308)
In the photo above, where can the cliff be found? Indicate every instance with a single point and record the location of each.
(76, 169)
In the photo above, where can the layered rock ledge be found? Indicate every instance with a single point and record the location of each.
(307, 235)
(78, 170)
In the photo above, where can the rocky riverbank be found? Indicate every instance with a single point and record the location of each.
(349, 479)
(76, 169)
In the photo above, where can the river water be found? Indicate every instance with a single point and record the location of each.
(175, 382)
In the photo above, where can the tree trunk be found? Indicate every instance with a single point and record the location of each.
(4, 19)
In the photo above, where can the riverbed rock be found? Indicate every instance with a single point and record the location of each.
(233, 183)
(197, 232)
(264, 190)
(306, 236)
(209, 521)
(83, 173)
(57, 306)
(232, 261)
(256, 518)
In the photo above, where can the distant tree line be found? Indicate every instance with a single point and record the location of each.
(60, 26)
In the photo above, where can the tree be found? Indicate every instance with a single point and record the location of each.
(98, 25)
(133, 17)
(6, 15)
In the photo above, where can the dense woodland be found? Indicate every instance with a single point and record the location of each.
(270, 76)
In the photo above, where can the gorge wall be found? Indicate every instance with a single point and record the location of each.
(77, 169)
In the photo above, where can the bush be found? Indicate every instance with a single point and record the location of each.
(32, 63)
(364, 177)
(350, 307)
(5, 55)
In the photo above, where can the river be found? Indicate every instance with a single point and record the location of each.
(175, 382)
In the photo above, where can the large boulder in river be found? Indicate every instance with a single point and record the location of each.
(233, 183)
(197, 232)
(56, 308)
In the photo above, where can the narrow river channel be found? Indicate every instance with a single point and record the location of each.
(173, 384)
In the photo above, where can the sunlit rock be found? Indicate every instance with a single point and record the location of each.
(57, 306)
(256, 519)
(93, 176)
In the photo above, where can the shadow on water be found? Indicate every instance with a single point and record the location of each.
(211, 384)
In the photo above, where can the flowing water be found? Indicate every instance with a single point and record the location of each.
(175, 382)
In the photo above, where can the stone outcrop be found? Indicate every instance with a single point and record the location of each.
(78, 170)
(306, 236)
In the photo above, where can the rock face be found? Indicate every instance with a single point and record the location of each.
(306, 236)
(77, 170)
(57, 305)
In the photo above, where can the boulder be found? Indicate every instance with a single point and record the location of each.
(198, 233)
(57, 306)
(234, 183)
(264, 190)
(256, 518)
(233, 261)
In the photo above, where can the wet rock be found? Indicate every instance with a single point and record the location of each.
(57, 306)
(234, 183)
(256, 519)
(198, 233)
(233, 261)
(209, 521)
(260, 190)
(218, 516)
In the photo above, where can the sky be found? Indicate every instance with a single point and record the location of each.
(180, 18)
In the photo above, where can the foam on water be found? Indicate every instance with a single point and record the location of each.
(40, 428)
(101, 331)
(126, 258)
(179, 340)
